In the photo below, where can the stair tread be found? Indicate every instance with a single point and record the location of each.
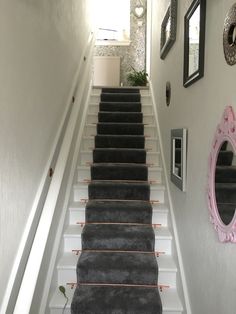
(76, 230)
(160, 207)
(169, 297)
(117, 268)
(69, 260)
(155, 185)
(122, 237)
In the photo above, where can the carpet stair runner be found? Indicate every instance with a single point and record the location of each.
(117, 271)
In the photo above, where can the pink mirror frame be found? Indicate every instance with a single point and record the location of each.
(226, 131)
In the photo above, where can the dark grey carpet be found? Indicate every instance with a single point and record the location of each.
(118, 240)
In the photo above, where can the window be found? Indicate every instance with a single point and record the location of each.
(112, 21)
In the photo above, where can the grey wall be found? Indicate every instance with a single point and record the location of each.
(41, 45)
(209, 264)
(132, 55)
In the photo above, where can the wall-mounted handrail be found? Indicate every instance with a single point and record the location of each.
(23, 279)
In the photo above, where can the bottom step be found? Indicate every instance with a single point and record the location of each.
(97, 300)
(170, 302)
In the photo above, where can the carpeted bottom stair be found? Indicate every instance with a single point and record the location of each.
(117, 271)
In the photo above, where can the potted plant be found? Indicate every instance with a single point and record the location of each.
(137, 78)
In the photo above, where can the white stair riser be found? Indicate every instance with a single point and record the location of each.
(72, 242)
(87, 157)
(85, 174)
(147, 119)
(94, 108)
(88, 144)
(91, 130)
(65, 275)
(81, 193)
(163, 245)
(160, 218)
(78, 215)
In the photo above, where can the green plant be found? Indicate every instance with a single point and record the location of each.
(63, 291)
(137, 78)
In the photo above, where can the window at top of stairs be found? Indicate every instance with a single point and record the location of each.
(112, 21)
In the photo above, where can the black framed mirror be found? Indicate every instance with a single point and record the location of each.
(194, 42)
(168, 29)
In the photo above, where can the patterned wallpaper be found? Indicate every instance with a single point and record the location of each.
(134, 54)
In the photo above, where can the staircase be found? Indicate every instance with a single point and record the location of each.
(122, 256)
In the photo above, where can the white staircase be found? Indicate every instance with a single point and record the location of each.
(66, 266)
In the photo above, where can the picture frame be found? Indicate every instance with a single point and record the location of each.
(168, 29)
(194, 42)
(179, 157)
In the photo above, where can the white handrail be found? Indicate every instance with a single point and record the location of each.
(32, 267)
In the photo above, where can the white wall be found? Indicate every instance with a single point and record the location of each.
(41, 45)
(209, 264)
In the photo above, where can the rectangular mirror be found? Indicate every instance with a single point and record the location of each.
(194, 42)
(178, 157)
(168, 29)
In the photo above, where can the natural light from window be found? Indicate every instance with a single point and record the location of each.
(111, 19)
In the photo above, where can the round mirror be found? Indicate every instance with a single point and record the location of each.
(225, 182)
(221, 190)
(232, 35)
(229, 36)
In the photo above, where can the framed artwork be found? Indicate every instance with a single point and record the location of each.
(168, 29)
(194, 42)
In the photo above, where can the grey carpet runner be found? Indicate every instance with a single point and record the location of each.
(117, 271)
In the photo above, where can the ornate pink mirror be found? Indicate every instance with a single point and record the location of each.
(221, 190)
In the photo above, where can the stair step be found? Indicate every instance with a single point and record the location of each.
(132, 97)
(108, 128)
(119, 190)
(153, 173)
(159, 213)
(120, 90)
(119, 155)
(151, 143)
(109, 171)
(67, 269)
(86, 156)
(171, 303)
(119, 141)
(117, 268)
(119, 117)
(118, 212)
(120, 106)
(124, 107)
(119, 299)
(72, 239)
(118, 237)
(225, 174)
(120, 128)
(157, 191)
